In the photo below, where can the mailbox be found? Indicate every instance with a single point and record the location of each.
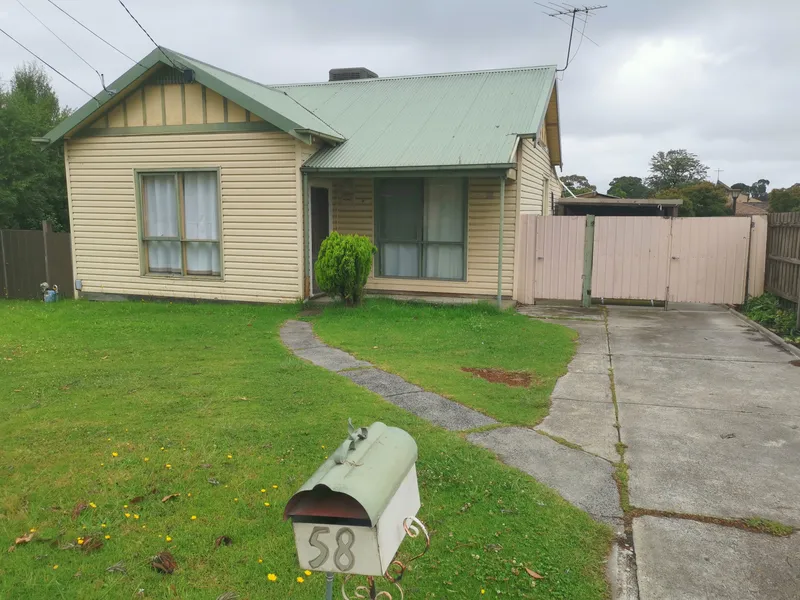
(350, 516)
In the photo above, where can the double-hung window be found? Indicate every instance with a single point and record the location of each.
(180, 230)
(421, 227)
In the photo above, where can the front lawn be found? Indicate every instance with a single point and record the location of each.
(430, 345)
(118, 405)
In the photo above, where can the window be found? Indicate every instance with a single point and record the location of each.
(180, 223)
(420, 227)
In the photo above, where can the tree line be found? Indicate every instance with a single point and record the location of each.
(680, 174)
(33, 185)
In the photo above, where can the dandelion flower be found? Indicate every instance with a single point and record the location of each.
(33, 529)
(260, 560)
(272, 577)
(266, 503)
(114, 454)
(189, 494)
(146, 459)
(230, 455)
(55, 566)
(274, 487)
(323, 447)
(135, 516)
(300, 580)
(235, 499)
(108, 537)
(80, 541)
(92, 504)
(194, 518)
(124, 506)
(168, 466)
(307, 572)
(162, 447)
(127, 515)
(103, 525)
(263, 491)
(108, 439)
(483, 592)
(169, 539)
(102, 464)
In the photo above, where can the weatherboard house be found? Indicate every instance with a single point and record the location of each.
(192, 182)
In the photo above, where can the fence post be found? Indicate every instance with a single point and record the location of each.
(3, 256)
(797, 321)
(588, 260)
(46, 228)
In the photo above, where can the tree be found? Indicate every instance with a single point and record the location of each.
(628, 187)
(702, 199)
(741, 186)
(675, 169)
(578, 184)
(32, 180)
(785, 199)
(759, 189)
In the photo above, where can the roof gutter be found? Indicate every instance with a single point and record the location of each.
(409, 169)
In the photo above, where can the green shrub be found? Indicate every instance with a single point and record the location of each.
(343, 266)
(771, 312)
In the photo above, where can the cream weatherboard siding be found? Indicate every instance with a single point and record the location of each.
(353, 213)
(262, 258)
(534, 169)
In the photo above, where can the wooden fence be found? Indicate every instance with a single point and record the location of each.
(783, 257)
(32, 257)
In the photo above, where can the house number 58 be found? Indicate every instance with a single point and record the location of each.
(343, 556)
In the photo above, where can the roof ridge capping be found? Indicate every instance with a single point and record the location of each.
(418, 76)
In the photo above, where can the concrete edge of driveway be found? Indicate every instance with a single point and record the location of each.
(770, 335)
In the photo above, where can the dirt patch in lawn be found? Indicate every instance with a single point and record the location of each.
(509, 378)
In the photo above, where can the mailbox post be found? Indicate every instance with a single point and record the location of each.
(352, 515)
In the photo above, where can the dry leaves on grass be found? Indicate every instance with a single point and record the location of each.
(90, 544)
(533, 574)
(136, 500)
(169, 497)
(222, 540)
(23, 539)
(228, 596)
(164, 562)
(79, 508)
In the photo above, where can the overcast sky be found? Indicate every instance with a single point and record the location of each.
(717, 77)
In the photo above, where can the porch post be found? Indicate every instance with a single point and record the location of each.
(500, 244)
(307, 236)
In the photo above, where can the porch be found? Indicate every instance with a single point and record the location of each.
(438, 234)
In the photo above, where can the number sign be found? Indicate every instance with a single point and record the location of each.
(341, 549)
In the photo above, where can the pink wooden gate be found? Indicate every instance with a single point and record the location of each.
(705, 259)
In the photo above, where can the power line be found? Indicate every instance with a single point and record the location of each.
(48, 64)
(86, 62)
(106, 42)
(145, 32)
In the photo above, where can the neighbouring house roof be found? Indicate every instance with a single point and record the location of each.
(612, 201)
(449, 120)
(752, 208)
(271, 105)
(457, 120)
(595, 195)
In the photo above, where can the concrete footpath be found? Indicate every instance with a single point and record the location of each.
(709, 413)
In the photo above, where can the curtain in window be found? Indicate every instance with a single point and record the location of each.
(201, 222)
(399, 229)
(161, 220)
(444, 222)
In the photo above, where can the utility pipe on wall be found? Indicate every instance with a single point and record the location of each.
(500, 244)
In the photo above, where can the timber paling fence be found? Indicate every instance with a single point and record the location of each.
(30, 258)
(783, 258)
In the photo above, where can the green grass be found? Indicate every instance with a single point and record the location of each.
(771, 527)
(428, 345)
(80, 381)
(774, 313)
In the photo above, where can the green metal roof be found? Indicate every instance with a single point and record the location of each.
(372, 472)
(448, 120)
(273, 106)
(452, 120)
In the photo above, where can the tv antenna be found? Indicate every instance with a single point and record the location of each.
(582, 13)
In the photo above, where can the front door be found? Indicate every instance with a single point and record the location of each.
(320, 228)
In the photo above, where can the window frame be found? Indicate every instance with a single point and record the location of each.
(420, 241)
(177, 172)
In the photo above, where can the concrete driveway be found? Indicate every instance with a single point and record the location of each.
(710, 413)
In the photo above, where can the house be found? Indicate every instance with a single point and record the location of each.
(189, 181)
(606, 205)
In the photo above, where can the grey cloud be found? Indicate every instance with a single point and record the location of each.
(717, 77)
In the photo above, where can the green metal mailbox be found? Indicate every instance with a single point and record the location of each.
(352, 515)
